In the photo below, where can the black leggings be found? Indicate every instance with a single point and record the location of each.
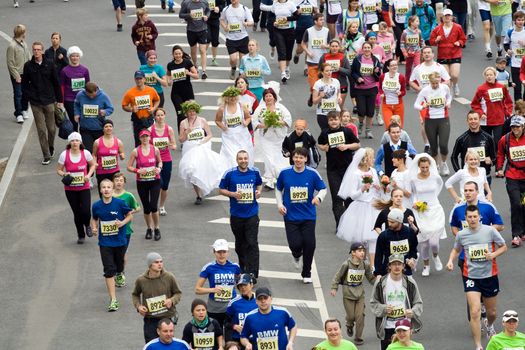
(285, 42)
(270, 20)
(256, 6)
(398, 30)
(180, 94)
(366, 101)
(80, 203)
(438, 128)
(515, 71)
(214, 27)
(89, 137)
(149, 192)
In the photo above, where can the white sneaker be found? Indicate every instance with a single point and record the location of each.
(426, 271)
(379, 119)
(490, 331)
(20, 119)
(25, 114)
(444, 169)
(287, 72)
(15, 4)
(283, 77)
(456, 90)
(162, 211)
(437, 263)
(297, 262)
(307, 280)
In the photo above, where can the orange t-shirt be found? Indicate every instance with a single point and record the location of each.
(143, 99)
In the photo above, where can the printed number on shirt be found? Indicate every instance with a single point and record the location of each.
(335, 64)
(143, 102)
(328, 105)
(246, 195)
(149, 174)
(78, 84)
(437, 102)
(109, 228)
(204, 340)
(401, 11)
(354, 277)
(366, 69)
(495, 94)
(519, 52)
(90, 111)
(399, 247)
(196, 134)
(281, 22)
(78, 179)
(211, 4)
(109, 162)
(479, 150)
(517, 153)
(268, 343)
(253, 73)
(150, 79)
(161, 142)
(316, 43)
(412, 39)
(234, 28)
(233, 121)
(477, 252)
(306, 9)
(397, 312)
(370, 8)
(386, 47)
(298, 144)
(336, 138)
(298, 194)
(156, 305)
(196, 14)
(224, 294)
(178, 74)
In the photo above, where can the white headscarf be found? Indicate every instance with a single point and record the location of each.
(413, 169)
(345, 189)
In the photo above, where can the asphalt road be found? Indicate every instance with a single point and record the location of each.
(53, 294)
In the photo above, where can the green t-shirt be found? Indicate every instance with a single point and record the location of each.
(397, 346)
(501, 341)
(131, 202)
(502, 8)
(345, 345)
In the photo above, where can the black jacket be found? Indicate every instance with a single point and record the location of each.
(383, 248)
(40, 83)
(52, 55)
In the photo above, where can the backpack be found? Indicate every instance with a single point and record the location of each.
(425, 8)
(315, 157)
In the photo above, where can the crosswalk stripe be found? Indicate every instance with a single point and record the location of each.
(172, 34)
(222, 69)
(214, 80)
(262, 223)
(319, 296)
(311, 333)
(172, 15)
(221, 46)
(280, 274)
(208, 93)
(175, 5)
(294, 302)
(262, 200)
(462, 100)
(170, 24)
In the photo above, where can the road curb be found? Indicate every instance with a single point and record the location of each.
(14, 158)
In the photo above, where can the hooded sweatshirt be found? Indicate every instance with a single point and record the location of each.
(88, 109)
(150, 292)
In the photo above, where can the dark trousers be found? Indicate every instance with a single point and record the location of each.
(496, 131)
(80, 203)
(150, 328)
(335, 177)
(70, 109)
(89, 137)
(270, 20)
(138, 125)
(461, 18)
(149, 192)
(301, 241)
(177, 98)
(515, 72)
(20, 102)
(256, 4)
(517, 211)
(398, 30)
(285, 42)
(389, 332)
(366, 102)
(246, 231)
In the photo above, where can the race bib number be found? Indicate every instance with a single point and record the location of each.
(178, 74)
(399, 247)
(109, 162)
(78, 84)
(298, 194)
(423, 78)
(316, 43)
(328, 105)
(354, 277)
(150, 79)
(495, 94)
(161, 142)
(386, 47)
(196, 134)
(397, 313)
(143, 102)
(437, 102)
(298, 144)
(196, 14)
(336, 138)
(211, 4)
(519, 52)
(233, 121)
(234, 28)
(351, 56)
(402, 11)
(78, 179)
(477, 252)
(517, 153)
(268, 343)
(246, 196)
(370, 8)
(149, 174)
(479, 150)
(281, 22)
(366, 69)
(391, 85)
(253, 73)
(225, 294)
(90, 111)
(306, 9)
(464, 224)
(335, 64)
(156, 305)
(412, 39)
(109, 228)
(204, 340)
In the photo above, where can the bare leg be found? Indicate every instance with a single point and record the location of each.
(474, 302)
(110, 285)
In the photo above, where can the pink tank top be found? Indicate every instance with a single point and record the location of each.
(162, 142)
(78, 171)
(107, 157)
(147, 162)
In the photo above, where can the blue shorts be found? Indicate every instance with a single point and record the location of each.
(502, 24)
(165, 175)
(488, 287)
(119, 4)
(485, 15)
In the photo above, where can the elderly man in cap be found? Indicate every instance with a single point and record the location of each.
(511, 148)
(509, 338)
(395, 296)
(396, 239)
(142, 101)
(266, 327)
(155, 295)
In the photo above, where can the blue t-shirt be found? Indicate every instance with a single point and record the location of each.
(237, 309)
(176, 344)
(150, 80)
(223, 275)
(268, 329)
(109, 235)
(488, 212)
(298, 192)
(235, 180)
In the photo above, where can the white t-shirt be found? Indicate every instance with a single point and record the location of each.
(74, 158)
(235, 18)
(395, 295)
(436, 99)
(422, 71)
(369, 8)
(329, 101)
(402, 7)
(518, 51)
(391, 86)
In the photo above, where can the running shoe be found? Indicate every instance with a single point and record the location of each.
(163, 5)
(156, 235)
(25, 114)
(272, 54)
(437, 263)
(295, 59)
(46, 161)
(307, 280)
(489, 54)
(379, 119)
(52, 151)
(198, 201)
(484, 325)
(490, 331)
(350, 331)
(119, 27)
(358, 341)
(426, 271)
(120, 280)
(516, 242)
(214, 62)
(204, 76)
(444, 170)
(232, 73)
(162, 211)
(368, 134)
(427, 149)
(500, 53)
(80, 240)
(283, 77)
(297, 262)
(456, 90)
(171, 10)
(355, 111)
(471, 36)
(113, 305)
(254, 26)
(15, 4)
(149, 233)
(20, 119)
(287, 72)
(89, 231)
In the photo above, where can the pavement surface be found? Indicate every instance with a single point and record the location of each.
(53, 289)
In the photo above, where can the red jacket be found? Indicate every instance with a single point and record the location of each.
(516, 169)
(522, 70)
(499, 108)
(446, 47)
(402, 82)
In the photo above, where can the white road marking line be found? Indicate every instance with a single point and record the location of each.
(294, 302)
(280, 274)
(174, 34)
(318, 289)
(209, 93)
(216, 139)
(215, 81)
(262, 223)
(172, 15)
(262, 200)
(175, 5)
(221, 46)
(462, 100)
(311, 333)
(170, 25)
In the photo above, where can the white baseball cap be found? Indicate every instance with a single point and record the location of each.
(220, 244)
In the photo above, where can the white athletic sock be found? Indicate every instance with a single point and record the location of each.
(487, 46)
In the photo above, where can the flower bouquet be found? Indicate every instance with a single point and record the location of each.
(367, 179)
